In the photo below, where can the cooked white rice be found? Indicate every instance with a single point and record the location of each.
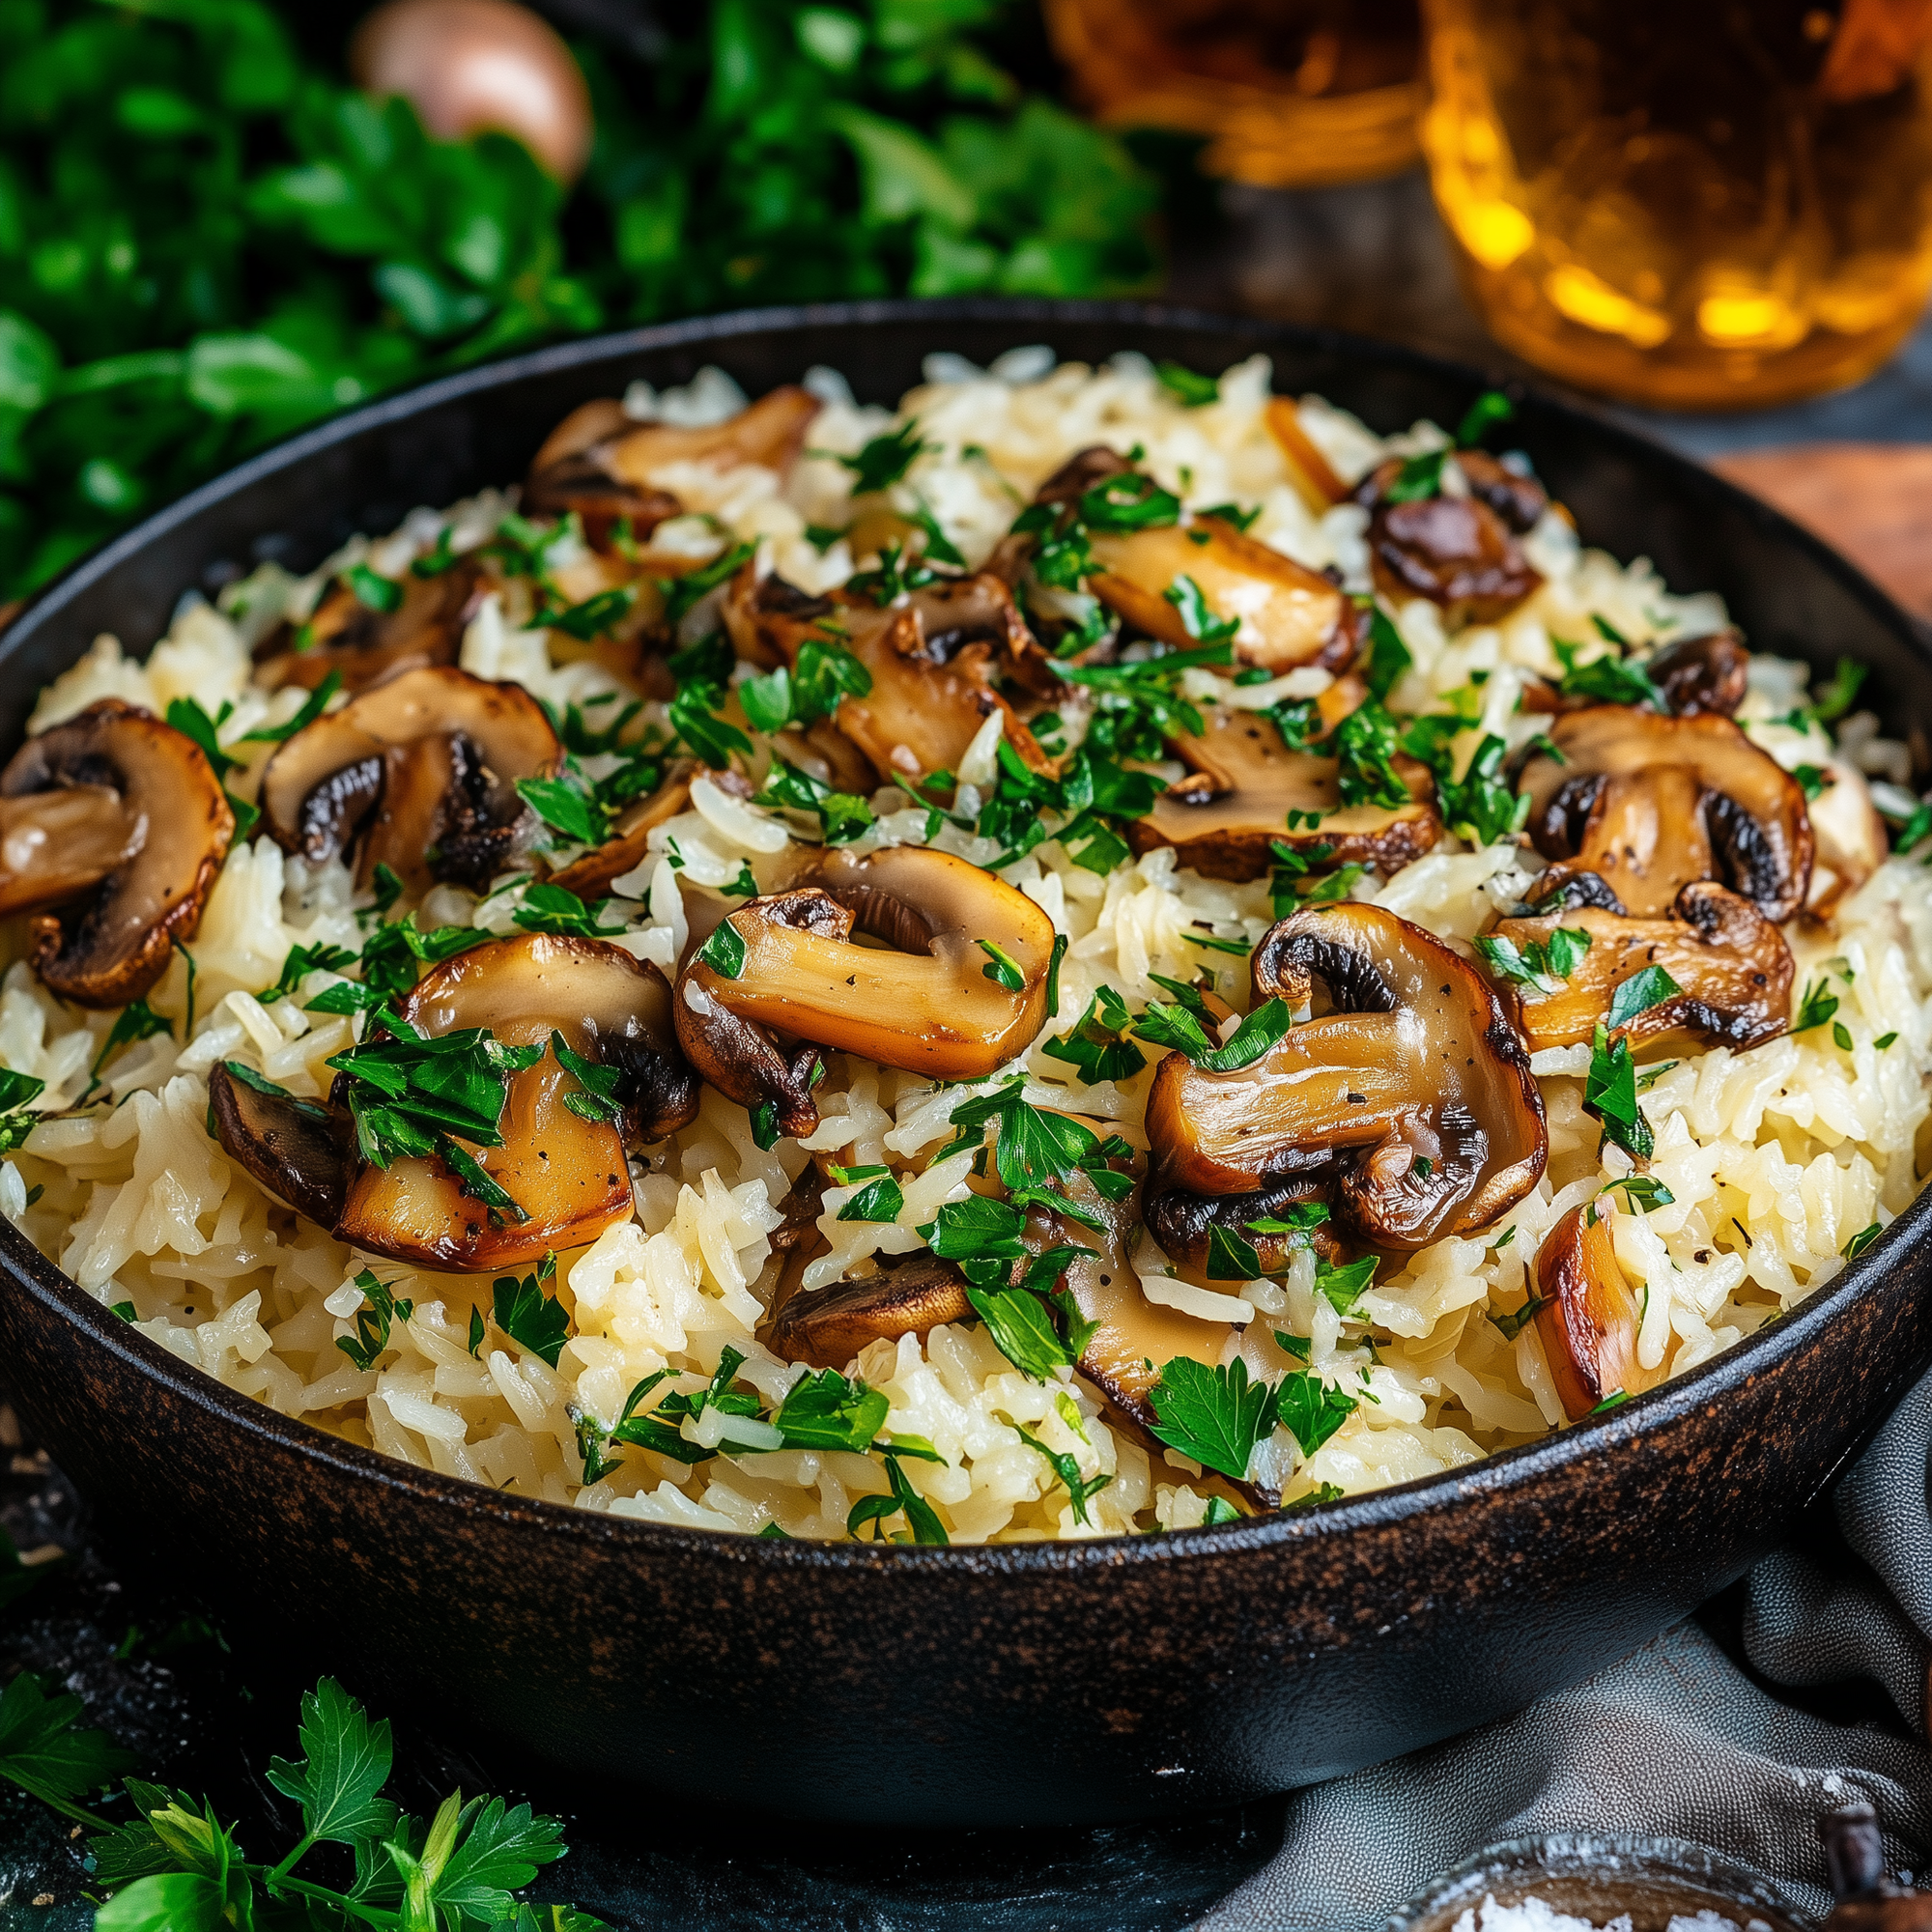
(1774, 1158)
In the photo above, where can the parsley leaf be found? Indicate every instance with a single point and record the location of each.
(1861, 1241)
(1419, 477)
(346, 1762)
(1192, 390)
(1541, 963)
(1214, 1416)
(1340, 1287)
(1097, 1042)
(549, 908)
(315, 704)
(1489, 409)
(1610, 1094)
(595, 1097)
(1023, 1329)
(1607, 679)
(1388, 656)
(303, 960)
(1197, 614)
(528, 1316)
(879, 1200)
(1480, 806)
(920, 1514)
(1815, 1008)
(498, 1849)
(1068, 1469)
(137, 1020)
(373, 590)
(884, 460)
(826, 1411)
(1639, 993)
(1176, 1028)
(1365, 747)
(683, 594)
(1312, 1409)
(1813, 781)
(1126, 502)
(1841, 693)
(44, 1753)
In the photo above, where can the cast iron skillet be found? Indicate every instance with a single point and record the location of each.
(952, 1687)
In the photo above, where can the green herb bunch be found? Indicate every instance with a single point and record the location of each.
(207, 239)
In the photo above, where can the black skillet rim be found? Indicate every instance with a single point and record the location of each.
(1621, 1429)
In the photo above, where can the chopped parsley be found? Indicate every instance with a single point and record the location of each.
(301, 961)
(1607, 679)
(380, 1310)
(842, 815)
(1230, 1256)
(1640, 992)
(884, 460)
(1643, 1193)
(1812, 781)
(373, 590)
(810, 689)
(1127, 502)
(1342, 1286)
(683, 594)
(1097, 1043)
(1197, 614)
(549, 908)
(135, 1021)
(920, 1516)
(1033, 1147)
(597, 617)
(1137, 707)
(1176, 1027)
(1388, 656)
(880, 1197)
(826, 1411)
(1860, 1243)
(1609, 1091)
(413, 1095)
(1365, 749)
(1419, 477)
(1541, 963)
(528, 1316)
(315, 705)
(1082, 1489)
(723, 951)
(1480, 806)
(1191, 391)
(1815, 1007)
(1489, 409)
(1841, 693)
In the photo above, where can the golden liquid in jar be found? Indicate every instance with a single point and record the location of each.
(1696, 205)
(1291, 92)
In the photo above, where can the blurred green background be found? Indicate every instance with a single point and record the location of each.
(209, 236)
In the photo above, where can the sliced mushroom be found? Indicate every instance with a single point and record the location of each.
(1312, 474)
(299, 1150)
(931, 659)
(1413, 1094)
(1851, 837)
(591, 875)
(365, 644)
(1731, 962)
(422, 770)
(1247, 788)
(1702, 675)
(1135, 1339)
(1288, 613)
(923, 999)
(601, 462)
(1589, 1317)
(1749, 826)
(827, 1326)
(566, 1173)
(117, 820)
(1455, 551)
(1519, 500)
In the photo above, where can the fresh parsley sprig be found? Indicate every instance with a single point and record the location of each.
(1609, 1091)
(1214, 1416)
(1176, 1028)
(380, 1311)
(1544, 964)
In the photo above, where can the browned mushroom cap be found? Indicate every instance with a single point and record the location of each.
(299, 1150)
(149, 826)
(1731, 962)
(428, 762)
(591, 876)
(566, 1173)
(1589, 1317)
(1746, 825)
(1519, 500)
(599, 460)
(1309, 470)
(1247, 787)
(1454, 551)
(923, 999)
(931, 659)
(365, 644)
(1413, 1091)
(827, 1326)
(1701, 674)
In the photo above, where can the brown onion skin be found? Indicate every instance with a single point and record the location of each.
(467, 66)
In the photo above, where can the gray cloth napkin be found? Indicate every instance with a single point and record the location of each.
(1679, 1740)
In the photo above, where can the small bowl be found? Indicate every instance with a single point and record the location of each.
(1652, 1880)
